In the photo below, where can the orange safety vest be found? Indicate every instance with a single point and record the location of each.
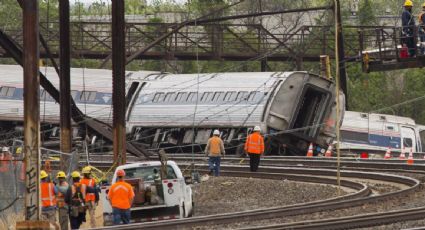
(254, 143)
(89, 183)
(120, 194)
(6, 163)
(215, 146)
(48, 197)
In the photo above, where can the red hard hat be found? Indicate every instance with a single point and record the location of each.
(120, 172)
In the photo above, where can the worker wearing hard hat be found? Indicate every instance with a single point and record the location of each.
(77, 213)
(254, 147)
(92, 196)
(62, 199)
(48, 198)
(121, 196)
(421, 29)
(215, 150)
(408, 24)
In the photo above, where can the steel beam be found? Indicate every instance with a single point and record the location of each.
(79, 117)
(31, 110)
(65, 84)
(118, 81)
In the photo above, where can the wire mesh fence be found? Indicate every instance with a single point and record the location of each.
(12, 178)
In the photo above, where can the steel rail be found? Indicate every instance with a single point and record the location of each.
(358, 221)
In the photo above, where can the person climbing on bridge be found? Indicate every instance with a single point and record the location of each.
(408, 30)
(121, 197)
(48, 198)
(62, 200)
(421, 28)
(215, 150)
(254, 147)
(92, 196)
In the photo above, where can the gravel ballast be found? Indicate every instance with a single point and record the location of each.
(229, 194)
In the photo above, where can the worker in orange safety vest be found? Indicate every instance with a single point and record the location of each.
(121, 197)
(48, 198)
(92, 195)
(254, 147)
(62, 200)
(215, 150)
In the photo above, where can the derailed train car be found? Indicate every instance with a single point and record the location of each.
(179, 112)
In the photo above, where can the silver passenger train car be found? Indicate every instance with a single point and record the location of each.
(178, 112)
(91, 91)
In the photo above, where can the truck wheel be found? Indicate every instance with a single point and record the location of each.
(192, 211)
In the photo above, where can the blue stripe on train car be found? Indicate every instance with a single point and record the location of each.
(379, 140)
(384, 141)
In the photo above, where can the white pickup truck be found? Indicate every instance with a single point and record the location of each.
(156, 198)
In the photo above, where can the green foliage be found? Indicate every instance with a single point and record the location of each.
(366, 14)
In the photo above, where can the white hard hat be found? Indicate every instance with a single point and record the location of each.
(216, 132)
(257, 128)
(5, 149)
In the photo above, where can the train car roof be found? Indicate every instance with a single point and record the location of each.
(210, 81)
(92, 79)
(375, 117)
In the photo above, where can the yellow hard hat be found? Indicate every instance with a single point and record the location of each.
(408, 3)
(86, 170)
(423, 5)
(75, 174)
(61, 174)
(43, 174)
(19, 150)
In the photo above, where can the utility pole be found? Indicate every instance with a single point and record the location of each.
(341, 52)
(118, 81)
(31, 118)
(65, 84)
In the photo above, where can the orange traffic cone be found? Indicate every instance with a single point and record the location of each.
(329, 151)
(402, 154)
(310, 150)
(410, 159)
(388, 153)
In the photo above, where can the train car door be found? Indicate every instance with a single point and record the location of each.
(132, 95)
(408, 138)
(421, 141)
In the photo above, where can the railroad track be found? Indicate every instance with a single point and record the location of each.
(358, 221)
(299, 209)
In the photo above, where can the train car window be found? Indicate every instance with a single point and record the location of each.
(356, 137)
(158, 97)
(407, 142)
(7, 91)
(390, 127)
(206, 96)
(192, 97)
(74, 94)
(45, 96)
(242, 96)
(230, 96)
(422, 135)
(170, 97)
(182, 96)
(251, 96)
(217, 96)
(88, 96)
